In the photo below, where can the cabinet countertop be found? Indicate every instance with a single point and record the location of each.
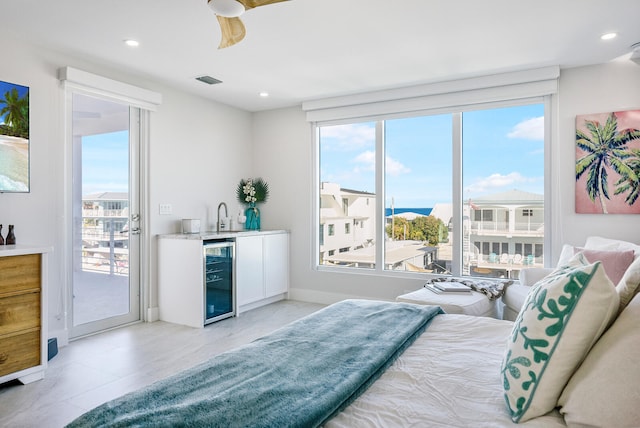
(20, 250)
(203, 236)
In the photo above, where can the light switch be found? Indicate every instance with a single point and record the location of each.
(165, 209)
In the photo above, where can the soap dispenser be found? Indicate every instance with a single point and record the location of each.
(241, 219)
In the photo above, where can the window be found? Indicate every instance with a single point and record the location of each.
(347, 228)
(451, 181)
(331, 230)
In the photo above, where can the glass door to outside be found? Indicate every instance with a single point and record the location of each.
(105, 210)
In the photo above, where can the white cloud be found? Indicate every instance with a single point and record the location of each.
(366, 161)
(530, 129)
(353, 136)
(498, 181)
(395, 168)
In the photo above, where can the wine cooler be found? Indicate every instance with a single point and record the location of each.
(219, 280)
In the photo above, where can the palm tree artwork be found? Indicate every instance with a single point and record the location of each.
(15, 110)
(608, 163)
(14, 138)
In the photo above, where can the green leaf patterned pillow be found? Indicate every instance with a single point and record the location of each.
(562, 317)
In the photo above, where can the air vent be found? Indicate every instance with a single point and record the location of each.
(208, 80)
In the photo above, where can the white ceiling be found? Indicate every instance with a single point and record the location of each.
(309, 49)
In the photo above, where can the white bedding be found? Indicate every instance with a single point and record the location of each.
(450, 377)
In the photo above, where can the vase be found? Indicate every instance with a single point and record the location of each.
(253, 218)
(1, 238)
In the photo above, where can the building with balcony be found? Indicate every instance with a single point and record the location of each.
(503, 233)
(105, 228)
(347, 220)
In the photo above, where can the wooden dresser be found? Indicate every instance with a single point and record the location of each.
(23, 342)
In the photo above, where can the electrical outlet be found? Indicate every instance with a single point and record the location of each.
(165, 209)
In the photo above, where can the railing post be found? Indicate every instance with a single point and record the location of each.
(112, 255)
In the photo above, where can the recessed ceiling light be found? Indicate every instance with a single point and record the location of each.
(608, 36)
(131, 42)
(264, 94)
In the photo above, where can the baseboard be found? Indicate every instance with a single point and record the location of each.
(153, 314)
(322, 297)
(262, 302)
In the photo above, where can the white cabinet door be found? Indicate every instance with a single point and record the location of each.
(276, 264)
(180, 286)
(249, 269)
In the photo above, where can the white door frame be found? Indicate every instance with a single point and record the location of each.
(78, 81)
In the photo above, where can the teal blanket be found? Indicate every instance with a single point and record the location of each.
(299, 376)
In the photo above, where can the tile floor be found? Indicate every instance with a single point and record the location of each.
(95, 369)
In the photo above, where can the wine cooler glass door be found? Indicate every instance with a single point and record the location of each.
(219, 281)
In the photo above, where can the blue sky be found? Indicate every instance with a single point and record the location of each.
(502, 150)
(105, 163)
(4, 88)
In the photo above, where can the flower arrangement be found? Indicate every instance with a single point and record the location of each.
(252, 191)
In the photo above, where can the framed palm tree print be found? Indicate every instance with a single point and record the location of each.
(14, 138)
(608, 163)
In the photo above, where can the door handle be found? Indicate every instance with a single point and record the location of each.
(135, 231)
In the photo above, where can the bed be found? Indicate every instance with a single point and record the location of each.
(361, 363)
(456, 383)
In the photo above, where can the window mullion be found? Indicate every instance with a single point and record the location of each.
(380, 199)
(458, 223)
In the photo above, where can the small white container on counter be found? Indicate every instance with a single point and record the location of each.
(190, 225)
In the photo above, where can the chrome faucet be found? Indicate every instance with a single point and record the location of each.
(226, 214)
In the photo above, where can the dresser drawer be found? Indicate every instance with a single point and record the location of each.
(19, 312)
(19, 273)
(19, 352)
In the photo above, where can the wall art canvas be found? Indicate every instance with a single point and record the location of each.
(608, 163)
(14, 137)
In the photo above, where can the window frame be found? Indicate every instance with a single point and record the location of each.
(456, 111)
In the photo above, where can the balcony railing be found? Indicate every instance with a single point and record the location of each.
(104, 249)
(97, 213)
(502, 228)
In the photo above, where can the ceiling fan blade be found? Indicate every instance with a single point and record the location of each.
(232, 31)
(250, 4)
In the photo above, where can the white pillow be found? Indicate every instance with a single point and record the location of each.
(566, 254)
(530, 276)
(563, 316)
(629, 285)
(607, 244)
(605, 390)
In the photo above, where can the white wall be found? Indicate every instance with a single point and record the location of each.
(596, 89)
(199, 151)
(609, 87)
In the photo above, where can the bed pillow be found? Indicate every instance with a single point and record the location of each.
(605, 390)
(629, 285)
(563, 316)
(530, 276)
(608, 244)
(615, 262)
